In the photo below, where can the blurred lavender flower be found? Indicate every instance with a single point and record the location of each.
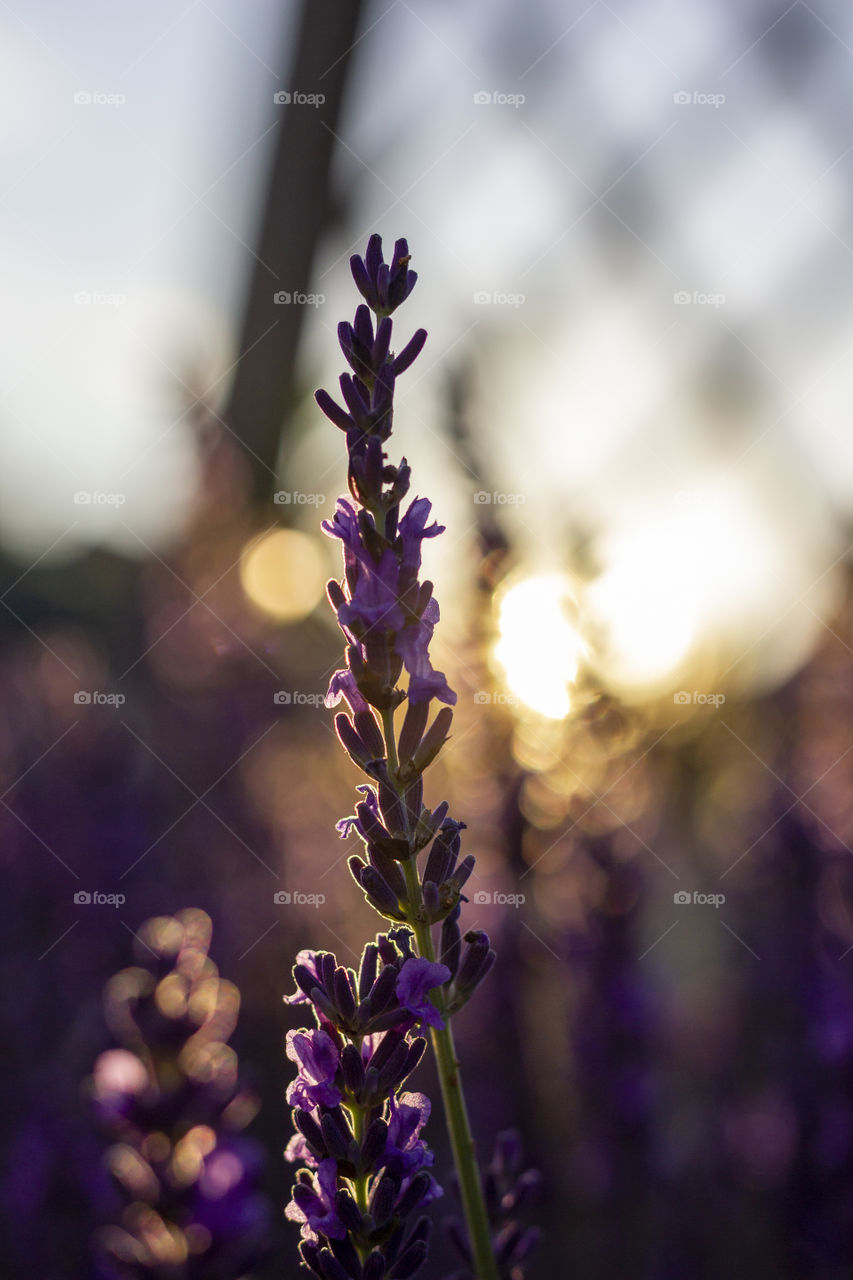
(508, 1193)
(171, 1101)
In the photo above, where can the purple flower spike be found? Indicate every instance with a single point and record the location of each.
(508, 1193)
(170, 1091)
(417, 978)
(355, 1195)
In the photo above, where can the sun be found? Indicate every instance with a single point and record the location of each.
(539, 647)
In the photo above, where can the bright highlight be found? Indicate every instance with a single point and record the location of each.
(283, 572)
(681, 579)
(539, 647)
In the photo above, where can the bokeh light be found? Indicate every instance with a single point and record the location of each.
(283, 573)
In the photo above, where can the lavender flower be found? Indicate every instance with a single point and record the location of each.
(171, 1101)
(360, 1138)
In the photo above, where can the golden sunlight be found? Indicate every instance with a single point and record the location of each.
(539, 647)
(674, 585)
(284, 572)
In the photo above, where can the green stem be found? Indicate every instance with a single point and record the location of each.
(449, 1075)
(359, 1183)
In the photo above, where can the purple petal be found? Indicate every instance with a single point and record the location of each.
(333, 410)
(343, 685)
(298, 1149)
(314, 1206)
(412, 645)
(309, 960)
(416, 979)
(360, 276)
(317, 1057)
(410, 352)
(373, 256)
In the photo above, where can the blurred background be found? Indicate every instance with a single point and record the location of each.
(631, 222)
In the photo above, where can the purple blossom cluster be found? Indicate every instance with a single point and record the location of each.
(171, 1101)
(358, 1134)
